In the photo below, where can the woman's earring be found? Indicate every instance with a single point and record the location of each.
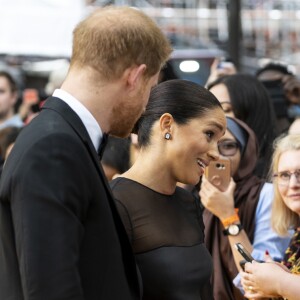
(168, 136)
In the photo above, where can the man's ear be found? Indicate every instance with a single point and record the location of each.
(134, 75)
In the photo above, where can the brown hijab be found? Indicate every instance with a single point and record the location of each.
(246, 197)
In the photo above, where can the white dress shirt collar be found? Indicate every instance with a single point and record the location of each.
(84, 114)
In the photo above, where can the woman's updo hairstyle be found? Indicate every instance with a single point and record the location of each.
(184, 100)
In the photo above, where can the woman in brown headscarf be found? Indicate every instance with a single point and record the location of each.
(239, 214)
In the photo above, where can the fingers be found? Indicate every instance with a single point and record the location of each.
(267, 257)
(214, 65)
(210, 187)
(207, 185)
(248, 286)
(249, 267)
(252, 294)
(231, 186)
(246, 277)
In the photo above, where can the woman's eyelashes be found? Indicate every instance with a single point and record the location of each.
(210, 134)
(227, 110)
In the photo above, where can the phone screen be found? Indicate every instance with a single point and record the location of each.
(246, 255)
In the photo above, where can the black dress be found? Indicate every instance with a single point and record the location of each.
(166, 233)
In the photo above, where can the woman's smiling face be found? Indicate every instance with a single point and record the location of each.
(289, 163)
(194, 145)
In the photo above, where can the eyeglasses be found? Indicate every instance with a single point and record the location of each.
(228, 148)
(283, 178)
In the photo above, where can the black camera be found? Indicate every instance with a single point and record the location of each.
(277, 95)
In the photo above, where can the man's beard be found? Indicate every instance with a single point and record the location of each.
(124, 118)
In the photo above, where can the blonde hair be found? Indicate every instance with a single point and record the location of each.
(283, 218)
(114, 38)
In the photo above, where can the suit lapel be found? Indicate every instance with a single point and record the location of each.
(75, 122)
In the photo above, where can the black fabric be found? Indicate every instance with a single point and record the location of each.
(102, 145)
(166, 233)
(61, 236)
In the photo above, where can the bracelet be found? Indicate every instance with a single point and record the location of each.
(230, 220)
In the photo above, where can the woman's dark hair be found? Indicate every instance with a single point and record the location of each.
(251, 103)
(167, 72)
(8, 135)
(116, 154)
(12, 83)
(274, 67)
(184, 100)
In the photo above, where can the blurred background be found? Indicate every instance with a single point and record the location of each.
(36, 35)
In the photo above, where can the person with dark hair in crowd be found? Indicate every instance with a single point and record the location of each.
(167, 72)
(273, 70)
(272, 279)
(8, 136)
(241, 213)
(61, 236)
(116, 157)
(220, 67)
(12, 112)
(242, 96)
(284, 89)
(178, 135)
(8, 99)
(284, 77)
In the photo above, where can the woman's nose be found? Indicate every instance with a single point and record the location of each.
(214, 153)
(294, 181)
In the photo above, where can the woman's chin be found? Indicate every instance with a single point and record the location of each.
(191, 178)
(192, 181)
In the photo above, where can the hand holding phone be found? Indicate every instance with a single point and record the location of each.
(218, 173)
(225, 63)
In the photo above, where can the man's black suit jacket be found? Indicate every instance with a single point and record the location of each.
(60, 234)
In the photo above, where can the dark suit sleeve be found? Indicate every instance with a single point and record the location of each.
(48, 208)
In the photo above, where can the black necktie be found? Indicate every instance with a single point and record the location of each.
(102, 145)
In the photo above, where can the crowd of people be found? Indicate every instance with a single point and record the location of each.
(103, 192)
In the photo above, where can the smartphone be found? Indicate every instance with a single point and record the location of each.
(225, 63)
(246, 255)
(218, 173)
(242, 264)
